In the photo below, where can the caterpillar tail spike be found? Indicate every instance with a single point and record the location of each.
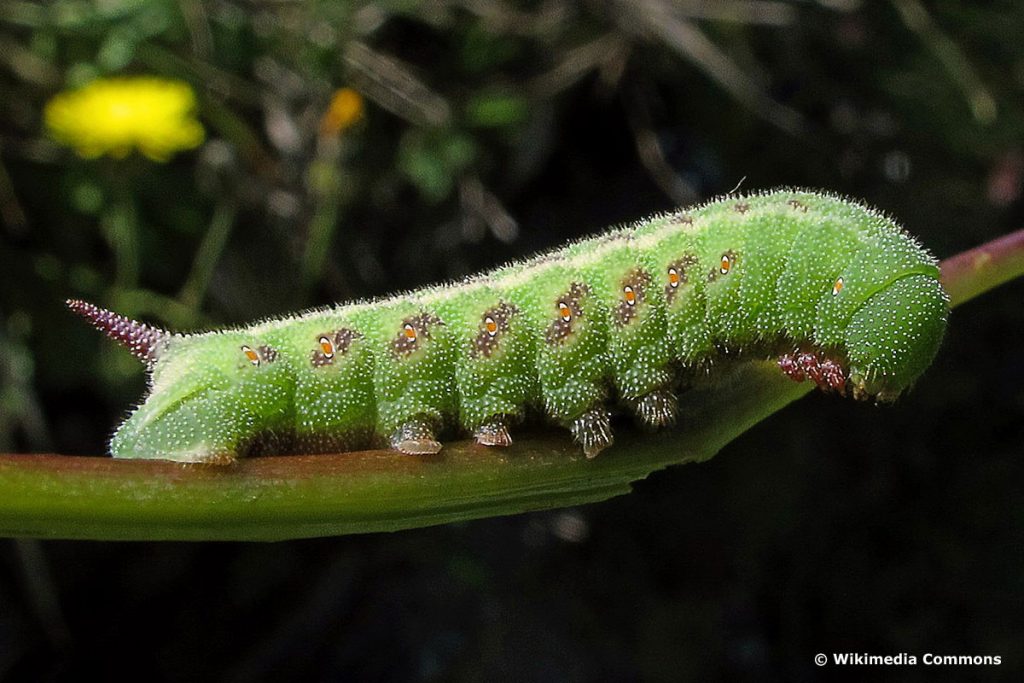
(141, 339)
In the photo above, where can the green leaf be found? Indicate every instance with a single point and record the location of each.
(276, 498)
(433, 160)
(497, 109)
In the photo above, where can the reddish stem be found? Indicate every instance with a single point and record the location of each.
(985, 267)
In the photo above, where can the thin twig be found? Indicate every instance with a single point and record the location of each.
(392, 85)
(649, 150)
(654, 17)
(577, 62)
(766, 12)
(956, 63)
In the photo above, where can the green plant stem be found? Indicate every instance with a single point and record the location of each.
(209, 253)
(120, 227)
(325, 180)
(274, 498)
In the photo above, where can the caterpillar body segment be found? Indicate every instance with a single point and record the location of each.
(494, 350)
(413, 372)
(826, 240)
(672, 247)
(335, 404)
(837, 291)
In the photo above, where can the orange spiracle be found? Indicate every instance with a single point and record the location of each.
(327, 347)
(253, 357)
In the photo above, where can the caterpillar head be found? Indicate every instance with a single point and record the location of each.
(893, 337)
(885, 311)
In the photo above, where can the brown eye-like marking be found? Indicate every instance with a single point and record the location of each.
(634, 288)
(326, 347)
(741, 207)
(414, 331)
(677, 274)
(837, 287)
(725, 266)
(797, 205)
(329, 345)
(569, 310)
(673, 277)
(262, 354)
(494, 323)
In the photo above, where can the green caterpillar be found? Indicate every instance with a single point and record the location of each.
(833, 289)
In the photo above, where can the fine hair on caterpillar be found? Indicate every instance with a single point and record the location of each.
(835, 291)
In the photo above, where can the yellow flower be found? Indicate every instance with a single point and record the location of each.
(345, 109)
(112, 116)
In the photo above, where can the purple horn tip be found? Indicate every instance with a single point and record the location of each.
(141, 339)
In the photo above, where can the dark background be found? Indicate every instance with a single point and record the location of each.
(493, 129)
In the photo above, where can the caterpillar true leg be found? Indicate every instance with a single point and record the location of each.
(827, 373)
(790, 368)
(833, 376)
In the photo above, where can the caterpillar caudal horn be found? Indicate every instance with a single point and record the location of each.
(141, 339)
